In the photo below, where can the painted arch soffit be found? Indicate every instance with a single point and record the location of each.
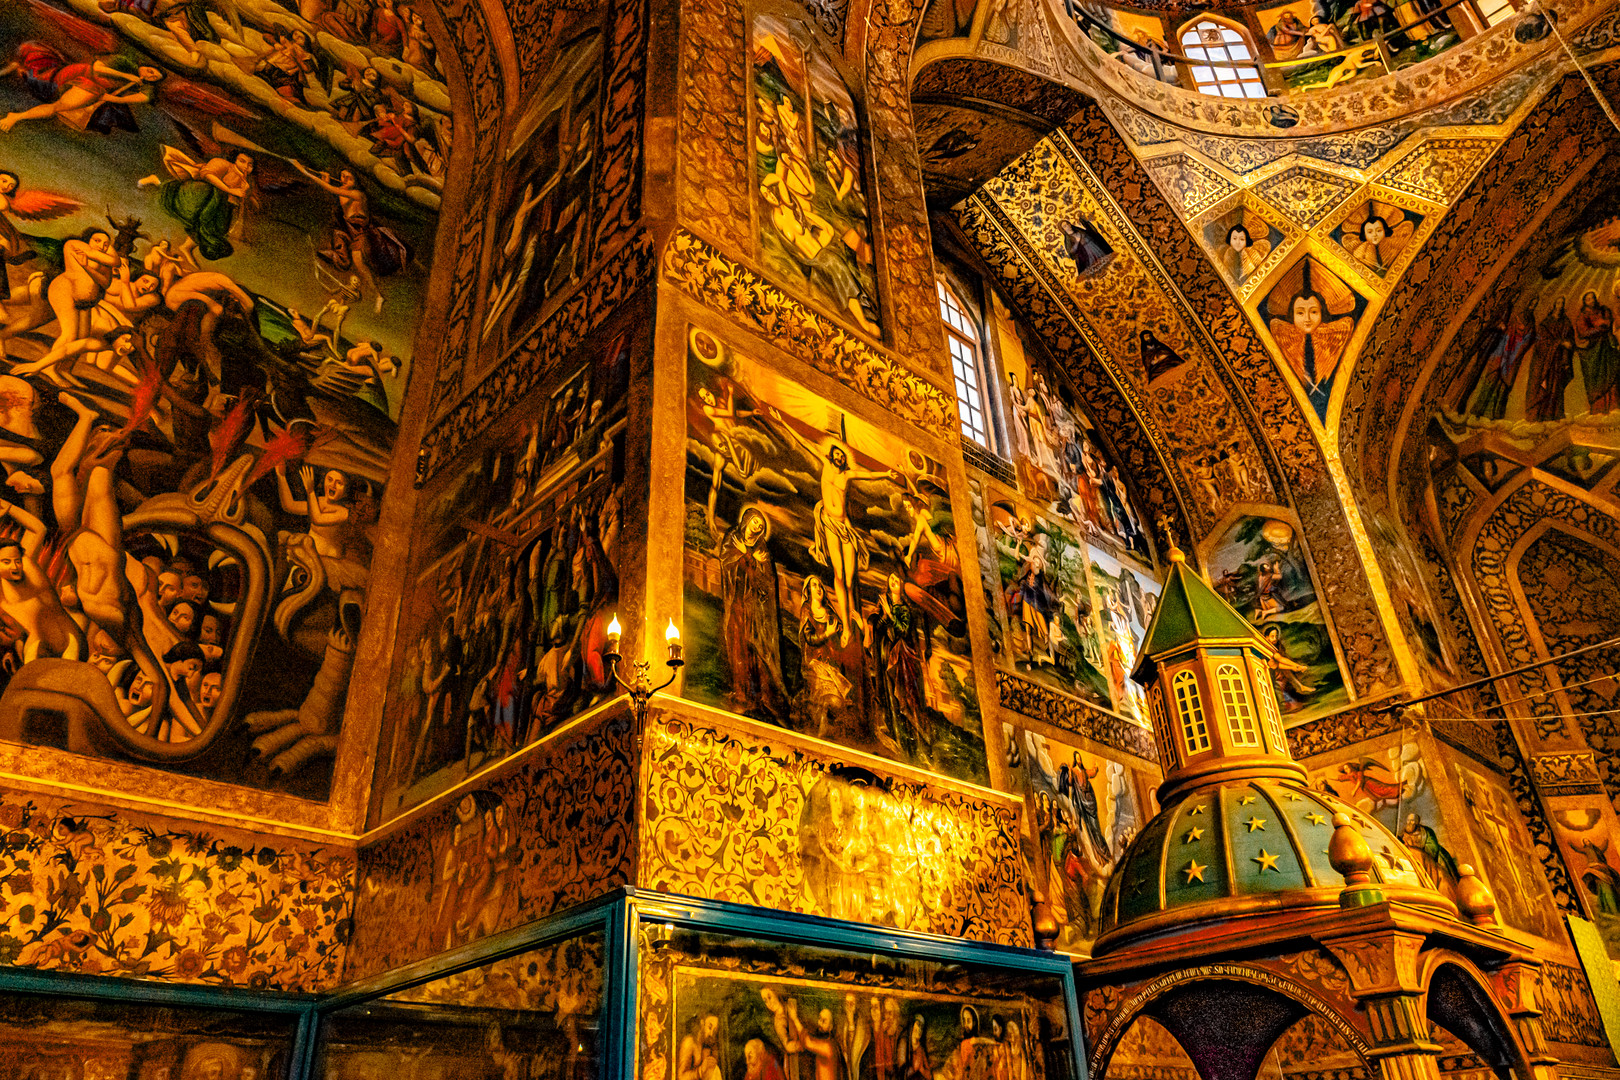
(1422, 363)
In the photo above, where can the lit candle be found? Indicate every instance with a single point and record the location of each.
(672, 637)
(613, 632)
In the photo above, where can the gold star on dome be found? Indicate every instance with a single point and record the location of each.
(1292, 796)
(1194, 872)
(1316, 819)
(1256, 823)
(1199, 809)
(1246, 800)
(1267, 861)
(1193, 834)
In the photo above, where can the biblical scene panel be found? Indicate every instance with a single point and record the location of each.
(749, 816)
(1050, 633)
(823, 580)
(1304, 29)
(536, 1014)
(1389, 780)
(217, 232)
(814, 230)
(1585, 829)
(1086, 809)
(1260, 569)
(989, 571)
(99, 1040)
(713, 1007)
(1523, 898)
(1544, 358)
(1125, 598)
(543, 231)
(1062, 465)
(514, 583)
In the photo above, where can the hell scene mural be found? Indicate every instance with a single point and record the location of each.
(814, 228)
(217, 232)
(823, 580)
(1085, 811)
(514, 583)
(1260, 567)
(765, 1028)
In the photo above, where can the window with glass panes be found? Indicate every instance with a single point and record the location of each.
(963, 339)
(1210, 40)
(1495, 12)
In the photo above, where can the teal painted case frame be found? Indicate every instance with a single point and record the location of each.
(617, 916)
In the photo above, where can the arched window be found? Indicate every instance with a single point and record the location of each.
(1161, 731)
(1240, 723)
(967, 364)
(1268, 709)
(1194, 732)
(1224, 43)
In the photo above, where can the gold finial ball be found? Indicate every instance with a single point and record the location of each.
(1349, 852)
(1474, 897)
(1172, 552)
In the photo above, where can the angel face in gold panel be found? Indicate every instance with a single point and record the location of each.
(1377, 233)
(1312, 315)
(1241, 241)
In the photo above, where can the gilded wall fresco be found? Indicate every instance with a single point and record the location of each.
(514, 580)
(210, 321)
(752, 817)
(823, 580)
(1586, 829)
(1084, 811)
(106, 892)
(553, 831)
(1258, 564)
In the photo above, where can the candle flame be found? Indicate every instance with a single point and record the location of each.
(670, 633)
(614, 628)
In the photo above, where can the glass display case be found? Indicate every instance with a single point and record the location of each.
(637, 986)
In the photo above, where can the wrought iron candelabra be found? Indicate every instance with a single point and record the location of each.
(640, 687)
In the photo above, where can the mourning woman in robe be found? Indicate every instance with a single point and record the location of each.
(750, 624)
(895, 637)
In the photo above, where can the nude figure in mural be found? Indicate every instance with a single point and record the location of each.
(699, 1056)
(838, 545)
(29, 596)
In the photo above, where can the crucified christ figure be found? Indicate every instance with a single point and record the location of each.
(838, 546)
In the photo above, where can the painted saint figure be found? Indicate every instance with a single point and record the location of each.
(750, 625)
(894, 636)
(1083, 244)
(1552, 365)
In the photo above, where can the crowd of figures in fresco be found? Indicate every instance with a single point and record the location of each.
(216, 223)
(814, 226)
(823, 580)
(1087, 810)
(796, 1030)
(515, 585)
(1546, 351)
(1064, 561)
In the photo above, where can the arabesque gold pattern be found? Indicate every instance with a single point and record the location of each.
(759, 820)
(108, 892)
(709, 277)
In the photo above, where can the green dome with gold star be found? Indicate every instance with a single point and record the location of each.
(1234, 847)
